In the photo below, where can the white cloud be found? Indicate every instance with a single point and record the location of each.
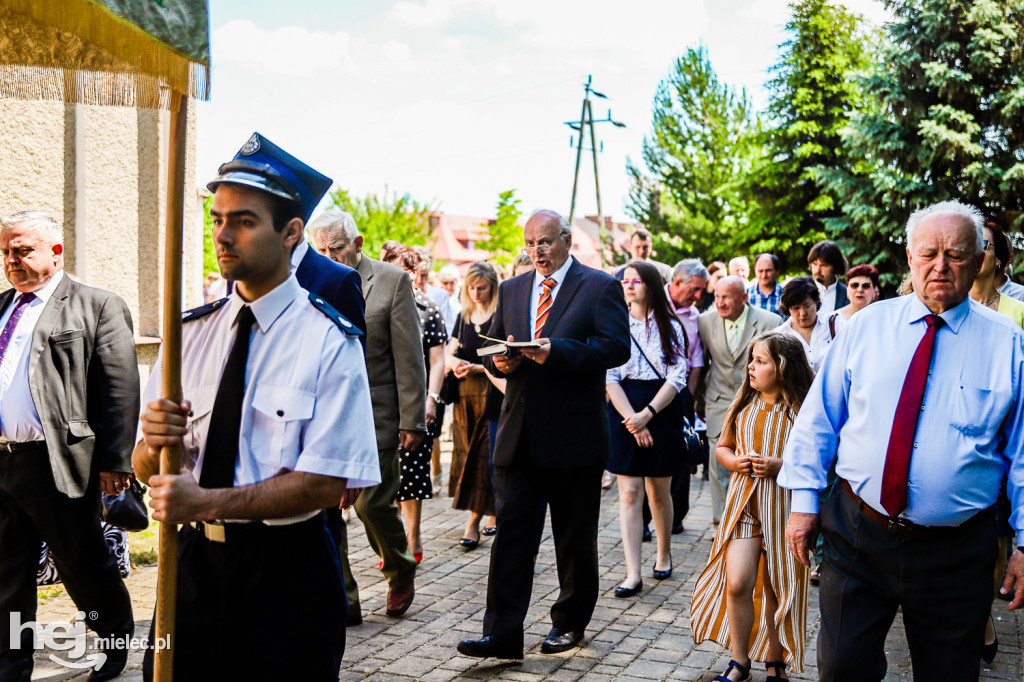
(289, 50)
(431, 13)
(396, 51)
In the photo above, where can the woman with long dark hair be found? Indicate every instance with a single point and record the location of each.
(646, 420)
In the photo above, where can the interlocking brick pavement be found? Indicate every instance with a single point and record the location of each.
(644, 638)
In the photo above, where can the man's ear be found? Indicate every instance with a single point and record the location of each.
(59, 249)
(293, 232)
(358, 241)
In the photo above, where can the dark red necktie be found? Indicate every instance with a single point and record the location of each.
(904, 423)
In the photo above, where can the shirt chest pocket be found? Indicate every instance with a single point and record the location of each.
(977, 412)
(279, 413)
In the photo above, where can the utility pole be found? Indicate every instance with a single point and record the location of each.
(587, 119)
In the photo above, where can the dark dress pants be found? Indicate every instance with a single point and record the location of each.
(943, 584)
(523, 492)
(268, 604)
(680, 487)
(31, 510)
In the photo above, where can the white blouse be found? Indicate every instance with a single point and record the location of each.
(821, 338)
(646, 334)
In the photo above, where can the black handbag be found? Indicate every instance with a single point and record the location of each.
(449, 393)
(127, 510)
(691, 441)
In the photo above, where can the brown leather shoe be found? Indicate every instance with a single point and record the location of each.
(400, 599)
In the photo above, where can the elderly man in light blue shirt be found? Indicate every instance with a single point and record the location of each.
(917, 535)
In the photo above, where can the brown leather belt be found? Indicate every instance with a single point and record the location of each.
(11, 446)
(900, 525)
(220, 531)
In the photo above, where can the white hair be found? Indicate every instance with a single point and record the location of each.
(45, 224)
(449, 272)
(685, 270)
(336, 224)
(947, 208)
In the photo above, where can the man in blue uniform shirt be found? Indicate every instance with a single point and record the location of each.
(280, 377)
(920, 403)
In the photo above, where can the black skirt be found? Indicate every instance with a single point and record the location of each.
(661, 459)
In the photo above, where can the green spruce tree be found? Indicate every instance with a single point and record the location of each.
(945, 120)
(813, 95)
(700, 148)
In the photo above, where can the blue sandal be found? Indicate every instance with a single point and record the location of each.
(780, 667)
(733, 664)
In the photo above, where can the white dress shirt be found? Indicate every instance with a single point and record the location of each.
(821, 340)
(559, 277)
(970, 429)
(307, 399)
(828, 297)
(19, 421)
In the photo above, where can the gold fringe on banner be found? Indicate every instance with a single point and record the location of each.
(76, 51)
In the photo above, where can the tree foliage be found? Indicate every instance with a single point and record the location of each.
(383, 217)
(944, 120)
(209, 250)
(814, 93)
(506, 236)
(701, 145)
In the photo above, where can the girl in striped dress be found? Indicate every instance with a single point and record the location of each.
(752, 596)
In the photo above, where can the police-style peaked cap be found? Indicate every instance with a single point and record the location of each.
(262, 164)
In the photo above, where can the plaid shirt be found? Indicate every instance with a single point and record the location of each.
(769, 302)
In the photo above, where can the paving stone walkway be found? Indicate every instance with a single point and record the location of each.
(644, 638)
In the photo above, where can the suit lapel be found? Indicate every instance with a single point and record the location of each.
(567, 289)
(5, 300)
(365, 268)
(521, 291)
(47, 320)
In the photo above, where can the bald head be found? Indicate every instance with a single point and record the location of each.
(730, 297)
(547, 238)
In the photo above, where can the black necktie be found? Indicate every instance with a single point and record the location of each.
(226, 418)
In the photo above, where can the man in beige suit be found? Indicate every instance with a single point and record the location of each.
(398, 389)
(725, 332)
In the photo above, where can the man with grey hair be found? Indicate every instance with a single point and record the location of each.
(453, 306)
(69, 400)
(725, 333)
(398, 387)
(919, 402)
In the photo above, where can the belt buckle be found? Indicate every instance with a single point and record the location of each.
(901, 523)
(6, 446)
(213, 530)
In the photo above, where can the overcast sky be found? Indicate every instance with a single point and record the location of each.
(454, 101)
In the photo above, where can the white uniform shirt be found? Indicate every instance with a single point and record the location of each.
(307, 399)
(19, 421)
(821, 339)
(559, 277)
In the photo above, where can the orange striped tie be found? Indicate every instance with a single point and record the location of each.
(543, 306)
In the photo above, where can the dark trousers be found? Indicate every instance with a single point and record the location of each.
(268, 604)
(523, 492)
(680, 487)
(32, 510)
(943, 584)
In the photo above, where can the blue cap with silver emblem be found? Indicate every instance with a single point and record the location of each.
(263, 165)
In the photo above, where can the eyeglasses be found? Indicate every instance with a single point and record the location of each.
(861, 285)
(985, 244)
(543, 246)
(631, 282)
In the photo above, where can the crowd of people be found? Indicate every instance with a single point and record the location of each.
(318, 379)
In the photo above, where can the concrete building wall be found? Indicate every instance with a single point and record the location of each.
(102, 172)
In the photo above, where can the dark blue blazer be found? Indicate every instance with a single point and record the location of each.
(338, 284)
(556, 411)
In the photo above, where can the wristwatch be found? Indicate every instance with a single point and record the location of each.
(435, 396)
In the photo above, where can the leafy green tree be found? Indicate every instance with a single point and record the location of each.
(814, 92)
(384, 217)
(945, 120)
(701, 146)
(209, 251)
(506, 237)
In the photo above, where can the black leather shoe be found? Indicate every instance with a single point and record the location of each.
(647, 534)
(467, 544)
(662, 575)
(353, 618)
(989, 651)
(676, 530)
(112, 667)
(490, 647)
(557, 641)
(492, 530)
(624, 592)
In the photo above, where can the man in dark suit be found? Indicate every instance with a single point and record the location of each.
(552, 440)
(69, 396)
(336, 283)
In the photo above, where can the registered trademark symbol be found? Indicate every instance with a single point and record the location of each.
(93, 615)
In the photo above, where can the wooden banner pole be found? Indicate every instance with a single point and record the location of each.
(170, 457)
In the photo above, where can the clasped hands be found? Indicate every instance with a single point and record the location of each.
(758, 465)
(636, 424)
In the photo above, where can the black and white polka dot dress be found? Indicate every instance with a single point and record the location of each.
(416, 464)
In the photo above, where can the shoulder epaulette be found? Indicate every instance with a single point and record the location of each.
(337, 318)
(203, 310)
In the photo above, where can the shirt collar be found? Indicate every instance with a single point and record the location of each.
(297, 255)
(739, 320)
(830, 287)
(954, 317)
(47, 290)
(558, 275)
(269, 307)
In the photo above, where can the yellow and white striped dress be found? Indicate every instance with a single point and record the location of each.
(760, 428)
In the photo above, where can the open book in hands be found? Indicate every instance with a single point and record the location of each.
(499, 347)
